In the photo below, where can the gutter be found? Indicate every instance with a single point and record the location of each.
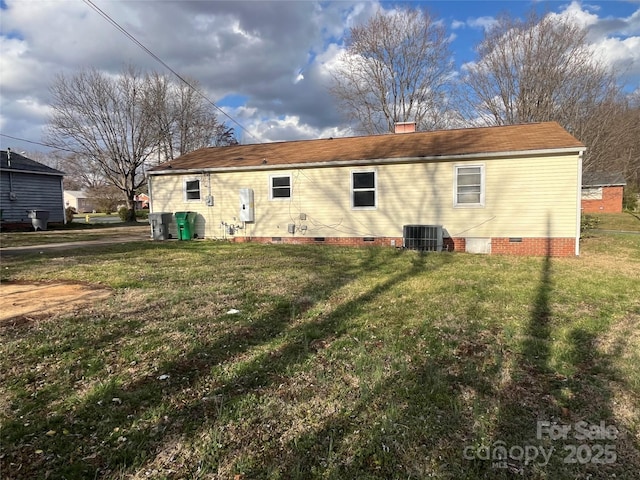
(367, 162)
(594, 185)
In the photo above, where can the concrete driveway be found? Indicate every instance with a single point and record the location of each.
(113, 235)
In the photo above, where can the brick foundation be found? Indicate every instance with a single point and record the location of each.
(455, 244)
(449, 244)
(611, 201)
(341, 241)
(555, 247)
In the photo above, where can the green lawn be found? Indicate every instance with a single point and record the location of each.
(342, 363)
(625, 221)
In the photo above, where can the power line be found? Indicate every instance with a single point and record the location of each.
(164, 64)
(36, 143)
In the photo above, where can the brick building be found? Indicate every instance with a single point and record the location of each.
(602, 192)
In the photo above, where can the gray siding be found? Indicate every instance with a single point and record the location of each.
(32, 191)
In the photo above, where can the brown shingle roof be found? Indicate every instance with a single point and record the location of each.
(444, 143)
(19, 162)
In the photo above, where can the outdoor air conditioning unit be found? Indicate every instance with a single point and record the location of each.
(425, 238)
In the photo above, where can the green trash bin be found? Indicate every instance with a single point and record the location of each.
(186, 222)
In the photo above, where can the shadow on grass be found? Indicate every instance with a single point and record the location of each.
(406, 426)
(538, 400)
(409, 421)
(128, 423)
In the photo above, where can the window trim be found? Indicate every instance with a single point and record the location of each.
(591, 193)
(186, 191)
(353, 190)
(479, 204)
(271, 187)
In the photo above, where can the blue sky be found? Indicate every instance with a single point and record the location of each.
(473, 15)
(267, 64)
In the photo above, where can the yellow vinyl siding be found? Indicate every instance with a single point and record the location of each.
(524, 197)
(538, 199)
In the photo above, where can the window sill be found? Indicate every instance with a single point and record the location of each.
(364, 208)
(468, 205)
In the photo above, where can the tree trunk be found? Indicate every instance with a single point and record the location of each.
(131, 207)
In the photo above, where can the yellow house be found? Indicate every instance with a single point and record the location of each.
(507, 190)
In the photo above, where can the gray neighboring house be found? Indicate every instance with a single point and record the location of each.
(27, 185)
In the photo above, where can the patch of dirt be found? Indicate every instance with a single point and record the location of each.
(20, 300)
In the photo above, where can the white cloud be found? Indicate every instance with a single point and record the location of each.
(277, 55)
(276, 129)
(578, 13)
(468, 66)
(615, 40)
(290, 127)
(484, 23)
(329, 59)
(623, 55)
(247, 49)
(13, 68)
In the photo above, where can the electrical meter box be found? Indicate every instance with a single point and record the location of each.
(247, 213)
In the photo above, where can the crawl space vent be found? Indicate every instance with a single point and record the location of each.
(425, 238)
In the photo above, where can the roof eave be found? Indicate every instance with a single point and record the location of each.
(36, 172)
(610, 184)
(375, 161)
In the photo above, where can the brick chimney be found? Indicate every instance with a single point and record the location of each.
(405, 127)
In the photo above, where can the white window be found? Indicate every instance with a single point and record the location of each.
(280, 187)
(592, 193)
(192, 190)
(469, 186)
(363, 189)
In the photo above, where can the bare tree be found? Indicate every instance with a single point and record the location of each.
(540, 69)
(77, 174)
(106, 198)
(103, 120)
(53, 160)
(396, 68)
(195, 121)
(184, 119)
(630, 155)
(116, 125)
(224, 136)
(615, 139)
(159, 105)
(80, 174)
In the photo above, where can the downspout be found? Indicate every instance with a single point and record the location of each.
(579, 203)
(149, 177)
(209, 208)
(64, 211)
(9, 168)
